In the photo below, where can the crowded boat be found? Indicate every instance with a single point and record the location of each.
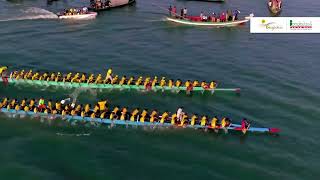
(102, 110)
(225, 16)
(275, 6)
(77, 13)
(109, 78)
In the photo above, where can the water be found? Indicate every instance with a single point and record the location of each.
(278, 75)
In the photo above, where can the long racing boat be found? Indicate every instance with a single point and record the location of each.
(128, 119)
(76, 80)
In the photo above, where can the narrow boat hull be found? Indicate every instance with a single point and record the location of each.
(208, 24)
(232, 127)
(116, 86)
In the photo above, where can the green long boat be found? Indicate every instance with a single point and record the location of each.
(112, 86)
(28, 78)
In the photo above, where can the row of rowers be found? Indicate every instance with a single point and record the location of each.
(100, 110)
(108, 79)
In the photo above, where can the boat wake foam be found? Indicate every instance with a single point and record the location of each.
(32, 13)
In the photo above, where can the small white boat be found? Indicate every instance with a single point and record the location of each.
(88, 15)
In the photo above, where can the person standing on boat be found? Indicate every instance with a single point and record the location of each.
(185, 11)
(174, 11)
(170, 10)
(235, 15)
(180, 113)
(181, 13)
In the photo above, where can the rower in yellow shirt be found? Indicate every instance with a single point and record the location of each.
(102, 105)
(123, 113)
(83, 78)
(195, 83)
(173, 119)
(170, 84)
(187, 83)
(115, 79)
(139, 81)
(3, 69)
(164, 117)
(163, 82)
(203, 121)
(134, 114)
(194, 118)
(154, 81)
(178, 83)
(153, 116)
(130, 80)
(87, 108)
(146, 81)
(99, 79)
(214, 122)
(212, 85)
(143, 115)
(184, 120)
(91, 78)
(123, 80)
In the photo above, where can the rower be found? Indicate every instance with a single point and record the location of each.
(73, 112)
(164, 117)
(87, 108)
(43, 76)
(112, 114)
(213, 85)
(123, 113)
(58, 106)
(162, 82)
(214, 122)
(58, 77)
(244, 125)
(103, 115)
(17, 107)
(173, 119)
(153, 115)
(139, 81)
(75, 78)
(187, 83)
(146, 81)
(143, 115)
(203, 121)
(154, 82)
(91, 78)
(123, 80)
(23, 103)
(26, 108)
(52, 77)
(3, 69)
(96, 108)
(35, 76)
(134, 114)
(184, 120)
(114, 80)
(98, 79)
(93, 115)
(194, 118)
(102, 105)
(130, 80)
(31, 104)
(195, 83)
(41, 104)
(115, 111)
(67, 78)
(178, 83)
(170, 83)
(83, 77)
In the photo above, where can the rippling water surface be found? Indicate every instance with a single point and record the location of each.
(278, 75)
